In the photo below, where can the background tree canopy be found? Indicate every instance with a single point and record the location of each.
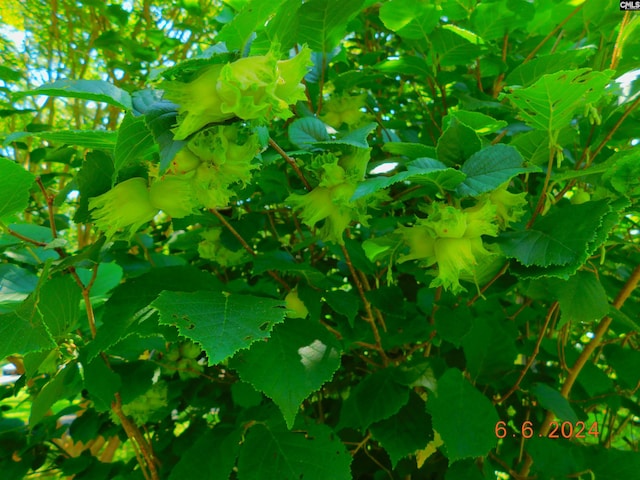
(317, 240)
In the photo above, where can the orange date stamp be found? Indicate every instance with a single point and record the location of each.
(558, 430)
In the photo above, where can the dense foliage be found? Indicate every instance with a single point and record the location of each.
(320, 240)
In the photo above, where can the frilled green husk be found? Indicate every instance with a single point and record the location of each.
(174, 195)
(199, 102)
(143, 408)
(229, 149)
(452, 239)
(209, 190)
(126, 206)
(259, 87)
(184, 162)
(211, 248)
(510, 207)
(344, 109)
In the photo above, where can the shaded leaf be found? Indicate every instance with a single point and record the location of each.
(96, 90)
(15, 183)
(221, 323)
(552, 400)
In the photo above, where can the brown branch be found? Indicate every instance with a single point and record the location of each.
(247, 247)
(609, 135)
(22, 237)
(543, 194)
(49, 199)
(502, 271)
(599, 333)
(291, 162)
(533, 356)
(552, 33)
(369, 318)
(615, 55)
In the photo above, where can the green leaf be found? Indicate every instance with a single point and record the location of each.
(582, 298)
(562, 237)
(65, 384)
(406, 432)
(96, 90)
(101, 382)
(306, 131)
(527, 73)
(374, 398)
(626, 363)
(122, 311)
(453, 325)
(252, 17)
(281, 261)
(453, 47)
(312, 452)
(59, 305)
(221, 323)
(411, 150)
(15, 183)
(94, 178)
(489, 349)
(323, 23)
(552, 458)
(481, 123)
(16, 284)
(356, 138)
(551, 103)
(424, 171)
(457, 143)
(405, 66)
(464, 418)
(409, 19)
(613, 464)
(344, 303)
(200, 460)
(135, 142)
(98, 139)
(489, 168)
(552, 400)
(300, 356)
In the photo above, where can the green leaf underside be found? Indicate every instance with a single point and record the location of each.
(96, 90)
(98, 139)
(551, 102)
(221, 324)
(424, 171)
(582, 298)
(299, 357)
(135, 142)
(464, 417)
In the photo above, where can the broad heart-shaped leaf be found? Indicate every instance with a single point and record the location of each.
(551, 103)
(299, 357)
(411, 150)
(424, 171)
(582, 298)
(99, 139)
(213, 455)
(406, 432)
(96, 90)
(489, 168)
(221, 323)
(562, 237)
(464, 418)
(376, 397)
(15, 183)
(552, 400)
(356, 138)
(409, 19)
(120, 317)
(489, 349)
(612, 464)
(306, 131)
(135, 142)
(457, 143)
(310, 452)
(101, 382)
(323, 23)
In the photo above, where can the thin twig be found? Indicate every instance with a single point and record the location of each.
(291, 162)
(502, 271)
(615, 127)
(552, 33)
